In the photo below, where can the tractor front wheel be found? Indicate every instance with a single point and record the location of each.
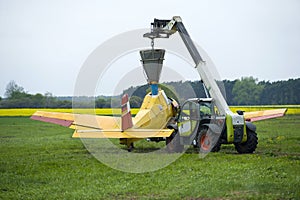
(250, 145)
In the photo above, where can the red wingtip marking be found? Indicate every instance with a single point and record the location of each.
(61, 122)
(265, 117)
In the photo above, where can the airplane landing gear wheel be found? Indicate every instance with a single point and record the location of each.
(130, 147)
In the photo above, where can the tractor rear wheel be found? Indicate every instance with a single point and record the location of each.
(208, 142)
(250, 145)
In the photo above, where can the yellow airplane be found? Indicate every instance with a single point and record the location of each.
(203, 122)
(150, 122)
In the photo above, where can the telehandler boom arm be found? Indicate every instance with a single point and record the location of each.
(165, 28)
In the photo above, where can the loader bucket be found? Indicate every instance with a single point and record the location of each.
(152, 60)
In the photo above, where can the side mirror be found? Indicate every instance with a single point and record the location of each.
(240, 112)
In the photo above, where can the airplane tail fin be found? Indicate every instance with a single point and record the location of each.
(126, 113)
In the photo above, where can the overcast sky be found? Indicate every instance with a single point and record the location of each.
(43, 43)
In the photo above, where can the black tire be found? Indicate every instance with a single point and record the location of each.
(217, 146)
(250, 145)
(206, 142)
(173, 143)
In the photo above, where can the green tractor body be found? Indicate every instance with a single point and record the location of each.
(200, 124)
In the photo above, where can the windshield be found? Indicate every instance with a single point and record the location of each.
(205, 108)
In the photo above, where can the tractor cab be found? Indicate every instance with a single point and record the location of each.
(200, 124)
(193, 113)
(198, 117)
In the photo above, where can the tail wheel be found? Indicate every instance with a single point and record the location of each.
(173, 143)
(250, 145)
(208, 142)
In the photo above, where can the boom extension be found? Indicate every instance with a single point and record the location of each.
(164, 28)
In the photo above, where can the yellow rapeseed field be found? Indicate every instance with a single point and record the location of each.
(30, 111)
(292, 110)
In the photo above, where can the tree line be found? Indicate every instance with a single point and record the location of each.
(244, 91)
(17, 97)
(248, 91)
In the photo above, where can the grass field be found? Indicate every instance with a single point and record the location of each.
(42, 161)
(29, 111)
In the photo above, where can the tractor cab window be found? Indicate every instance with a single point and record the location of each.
(205, 109)
(189, 111)
(189, 118)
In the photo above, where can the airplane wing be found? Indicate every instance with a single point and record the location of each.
(75, 121)
(129, 133)
(93, 126)
(265, 114)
